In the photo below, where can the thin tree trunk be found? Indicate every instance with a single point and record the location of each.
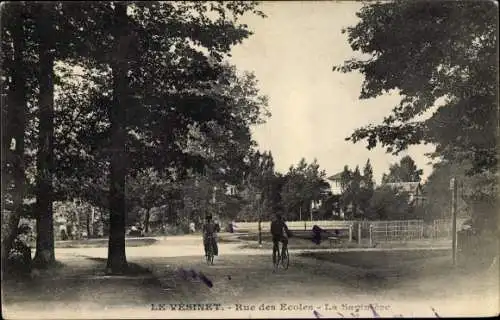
(17, 125)
(45, 226)
(117, 261)
(146, 221)
(89, 234)
(163, 217)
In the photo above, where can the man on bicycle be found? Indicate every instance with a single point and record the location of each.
(209, 235)
(280, 233)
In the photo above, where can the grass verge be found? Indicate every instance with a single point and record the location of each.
(103, 243)
(377, 259)
(82, 281)
(295, 242)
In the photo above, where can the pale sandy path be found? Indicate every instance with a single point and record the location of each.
(191, 245)
(243, 276)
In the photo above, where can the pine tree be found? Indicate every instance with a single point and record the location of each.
(369, 183)
(367, 188)
(356, 191)
(345, 184)
(404, 171)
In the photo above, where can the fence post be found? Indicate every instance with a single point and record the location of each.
(305, 225)
(410, 230)
(260, 232)
(453, 187)
(359, 232)
(412, 227)
(370, 233)
(350, 232)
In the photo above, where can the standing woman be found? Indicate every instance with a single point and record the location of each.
(209, 233)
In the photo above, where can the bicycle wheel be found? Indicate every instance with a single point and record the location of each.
(278, 258)
(207, 256)
(285, 260)
(210, 255)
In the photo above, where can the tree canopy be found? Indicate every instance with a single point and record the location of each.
(404, 171)
(431, 52)
(385, 204)
(153, 83)
(357, 190)
(304, 185)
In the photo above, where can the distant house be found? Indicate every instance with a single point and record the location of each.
(335, 183)
(336, 189)
(414, 190)
(231, 190)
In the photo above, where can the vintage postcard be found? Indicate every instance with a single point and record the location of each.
(239, 159)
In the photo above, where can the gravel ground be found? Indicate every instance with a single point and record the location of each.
(242, 283)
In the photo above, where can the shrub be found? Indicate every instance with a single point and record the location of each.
(477, 249)
(19, 259)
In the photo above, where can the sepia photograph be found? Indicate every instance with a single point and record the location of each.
(249, 159)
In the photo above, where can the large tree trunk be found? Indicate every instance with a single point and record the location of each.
(16, 127)
(117, 261)
(45, 226)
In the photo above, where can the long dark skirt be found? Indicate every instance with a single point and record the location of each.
(215, 247)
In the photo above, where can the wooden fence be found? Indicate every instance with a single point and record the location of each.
(294, 225)
(373, 231)
(340, 225)
(442, 228)
(388, 231)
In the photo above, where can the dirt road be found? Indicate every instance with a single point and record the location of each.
(241, 284)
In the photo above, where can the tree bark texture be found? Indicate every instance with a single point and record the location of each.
(45, 167)
(146, 220)
(15, 127)
(117, 261)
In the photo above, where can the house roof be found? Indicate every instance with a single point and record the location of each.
(335, 177)
(410, 187)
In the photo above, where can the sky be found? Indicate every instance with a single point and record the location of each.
(314, 109)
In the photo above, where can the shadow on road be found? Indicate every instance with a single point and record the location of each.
(79, 283)
(238, 277)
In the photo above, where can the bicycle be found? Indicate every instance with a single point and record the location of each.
(210, 252)
(284, 258)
